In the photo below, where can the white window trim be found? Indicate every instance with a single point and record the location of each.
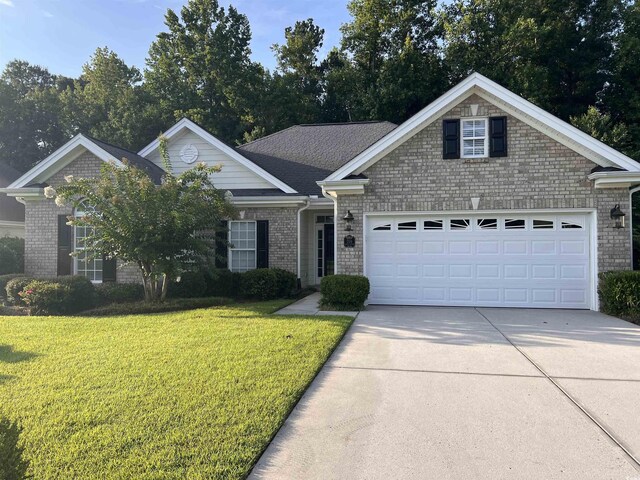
(79, 213)
(485, 153)
(230, 249)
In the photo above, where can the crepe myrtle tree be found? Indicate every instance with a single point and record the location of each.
(164, 229)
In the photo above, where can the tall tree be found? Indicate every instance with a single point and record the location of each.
(200, 68)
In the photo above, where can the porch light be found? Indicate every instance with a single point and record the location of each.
(618, 216)
(348, 218)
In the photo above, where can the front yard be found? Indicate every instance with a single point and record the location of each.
(195, 394)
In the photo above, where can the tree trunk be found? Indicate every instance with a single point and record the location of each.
(165, 286)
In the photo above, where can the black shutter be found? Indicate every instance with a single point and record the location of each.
(498, 137)
(222, 246)
(451, 138)
(65, 246)
(108, 269)
(262, 251)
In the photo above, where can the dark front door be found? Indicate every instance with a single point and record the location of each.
(329, 251)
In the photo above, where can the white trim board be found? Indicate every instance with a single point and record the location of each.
(60, 159)
(520, 108)
(232, 153)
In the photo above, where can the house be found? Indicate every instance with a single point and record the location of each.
(480, 199)
(11, 211)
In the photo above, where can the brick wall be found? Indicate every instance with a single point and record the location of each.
(538, 173)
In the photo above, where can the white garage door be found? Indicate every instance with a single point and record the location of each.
(506, 260)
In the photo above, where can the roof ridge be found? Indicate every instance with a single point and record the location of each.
(266, 136)
(358, 122)
(112, 145)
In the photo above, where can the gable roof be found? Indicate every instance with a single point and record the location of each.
(513, 104)
(72, 149)
(220, 145)
(303, 154)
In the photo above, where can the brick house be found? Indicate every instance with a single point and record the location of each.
(481, 198)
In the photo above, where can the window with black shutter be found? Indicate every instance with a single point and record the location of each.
(451, 138)
(498, 137)
(262, 253)
(65, 246)
(222, 246)
(109, 266)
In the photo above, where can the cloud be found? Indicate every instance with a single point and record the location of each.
(44, 13)
(6, 3)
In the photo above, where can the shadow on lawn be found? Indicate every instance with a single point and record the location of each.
(12, 464)
(9, 355)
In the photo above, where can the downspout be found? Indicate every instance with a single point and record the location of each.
(335, 234)
(300, 210)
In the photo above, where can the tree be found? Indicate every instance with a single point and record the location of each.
(152, 226)
(601, 126)
(201, 69)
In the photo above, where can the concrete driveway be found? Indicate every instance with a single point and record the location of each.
(465, 393)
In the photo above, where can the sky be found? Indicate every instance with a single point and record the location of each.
(62, 34)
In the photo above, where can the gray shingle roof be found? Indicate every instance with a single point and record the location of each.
(304, 154)
(136, 160)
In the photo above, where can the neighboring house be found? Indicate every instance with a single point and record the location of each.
(11, 211)
(480, 199)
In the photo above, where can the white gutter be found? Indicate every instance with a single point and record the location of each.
(300, 210)
(335, 232)
(621, 179)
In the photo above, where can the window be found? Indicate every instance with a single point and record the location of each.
(474, 138)
(324, 218)
(407, 226)
(570, 225)
(385, 227)
(488, 223)
(460, 224)
(242, 251)
(514, 224)
(543, 224)
(87, 262)
(433, 225)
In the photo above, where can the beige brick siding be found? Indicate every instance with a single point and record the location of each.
(538, 173)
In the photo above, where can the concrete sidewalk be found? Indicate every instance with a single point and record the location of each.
(310, 305)
(464, 393)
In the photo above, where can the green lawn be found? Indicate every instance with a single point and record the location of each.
(195, 394)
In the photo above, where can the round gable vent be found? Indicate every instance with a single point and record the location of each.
(189, 153)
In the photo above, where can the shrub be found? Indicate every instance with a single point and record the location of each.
(260, 284)
(171, 305)
(223, 283)
(46, 298)
(119, 293)
(15, 245)
(14, 287)
(287, 283)
(619, 293)
(344, 292)
(9, 262)
(82, 293)
(191, 285)
(4, 279)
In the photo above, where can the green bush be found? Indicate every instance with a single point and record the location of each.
(191, 285)
(46, 298)
(260, 284)
(14, 287)
(344, 292)
(222, 282)
(171, 305)
(4, 279)
(119, 293)
(11, 255)
(287, 283)
(82, 293)
(619, 293)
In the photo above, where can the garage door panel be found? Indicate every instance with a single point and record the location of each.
(513, 260)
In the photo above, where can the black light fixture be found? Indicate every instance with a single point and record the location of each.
(348, 218)
(618, 216)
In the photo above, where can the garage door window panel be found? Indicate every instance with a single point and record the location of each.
(433, 225)
(460, 224)
(543, 224)
(514, 224)
(407, 226)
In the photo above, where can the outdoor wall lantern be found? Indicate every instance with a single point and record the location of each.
(618, 216)
(348, 218)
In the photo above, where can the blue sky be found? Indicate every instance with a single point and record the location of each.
(62, 34)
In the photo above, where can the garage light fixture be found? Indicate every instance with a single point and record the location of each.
(348, 218)
(618, 216)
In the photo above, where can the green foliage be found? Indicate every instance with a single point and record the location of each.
(150, 225)
(141, 307)
(16, 246)
(601, 126)
(4, 279)
(223, 283)
(64, 295)
(344, 292)
(286, 282)
(196, 394)
(619, 293)
(14, 287)
(192, 284)
(12, 464)
(112, 292)
(268, 283)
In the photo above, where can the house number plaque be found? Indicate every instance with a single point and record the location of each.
(349, 241)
